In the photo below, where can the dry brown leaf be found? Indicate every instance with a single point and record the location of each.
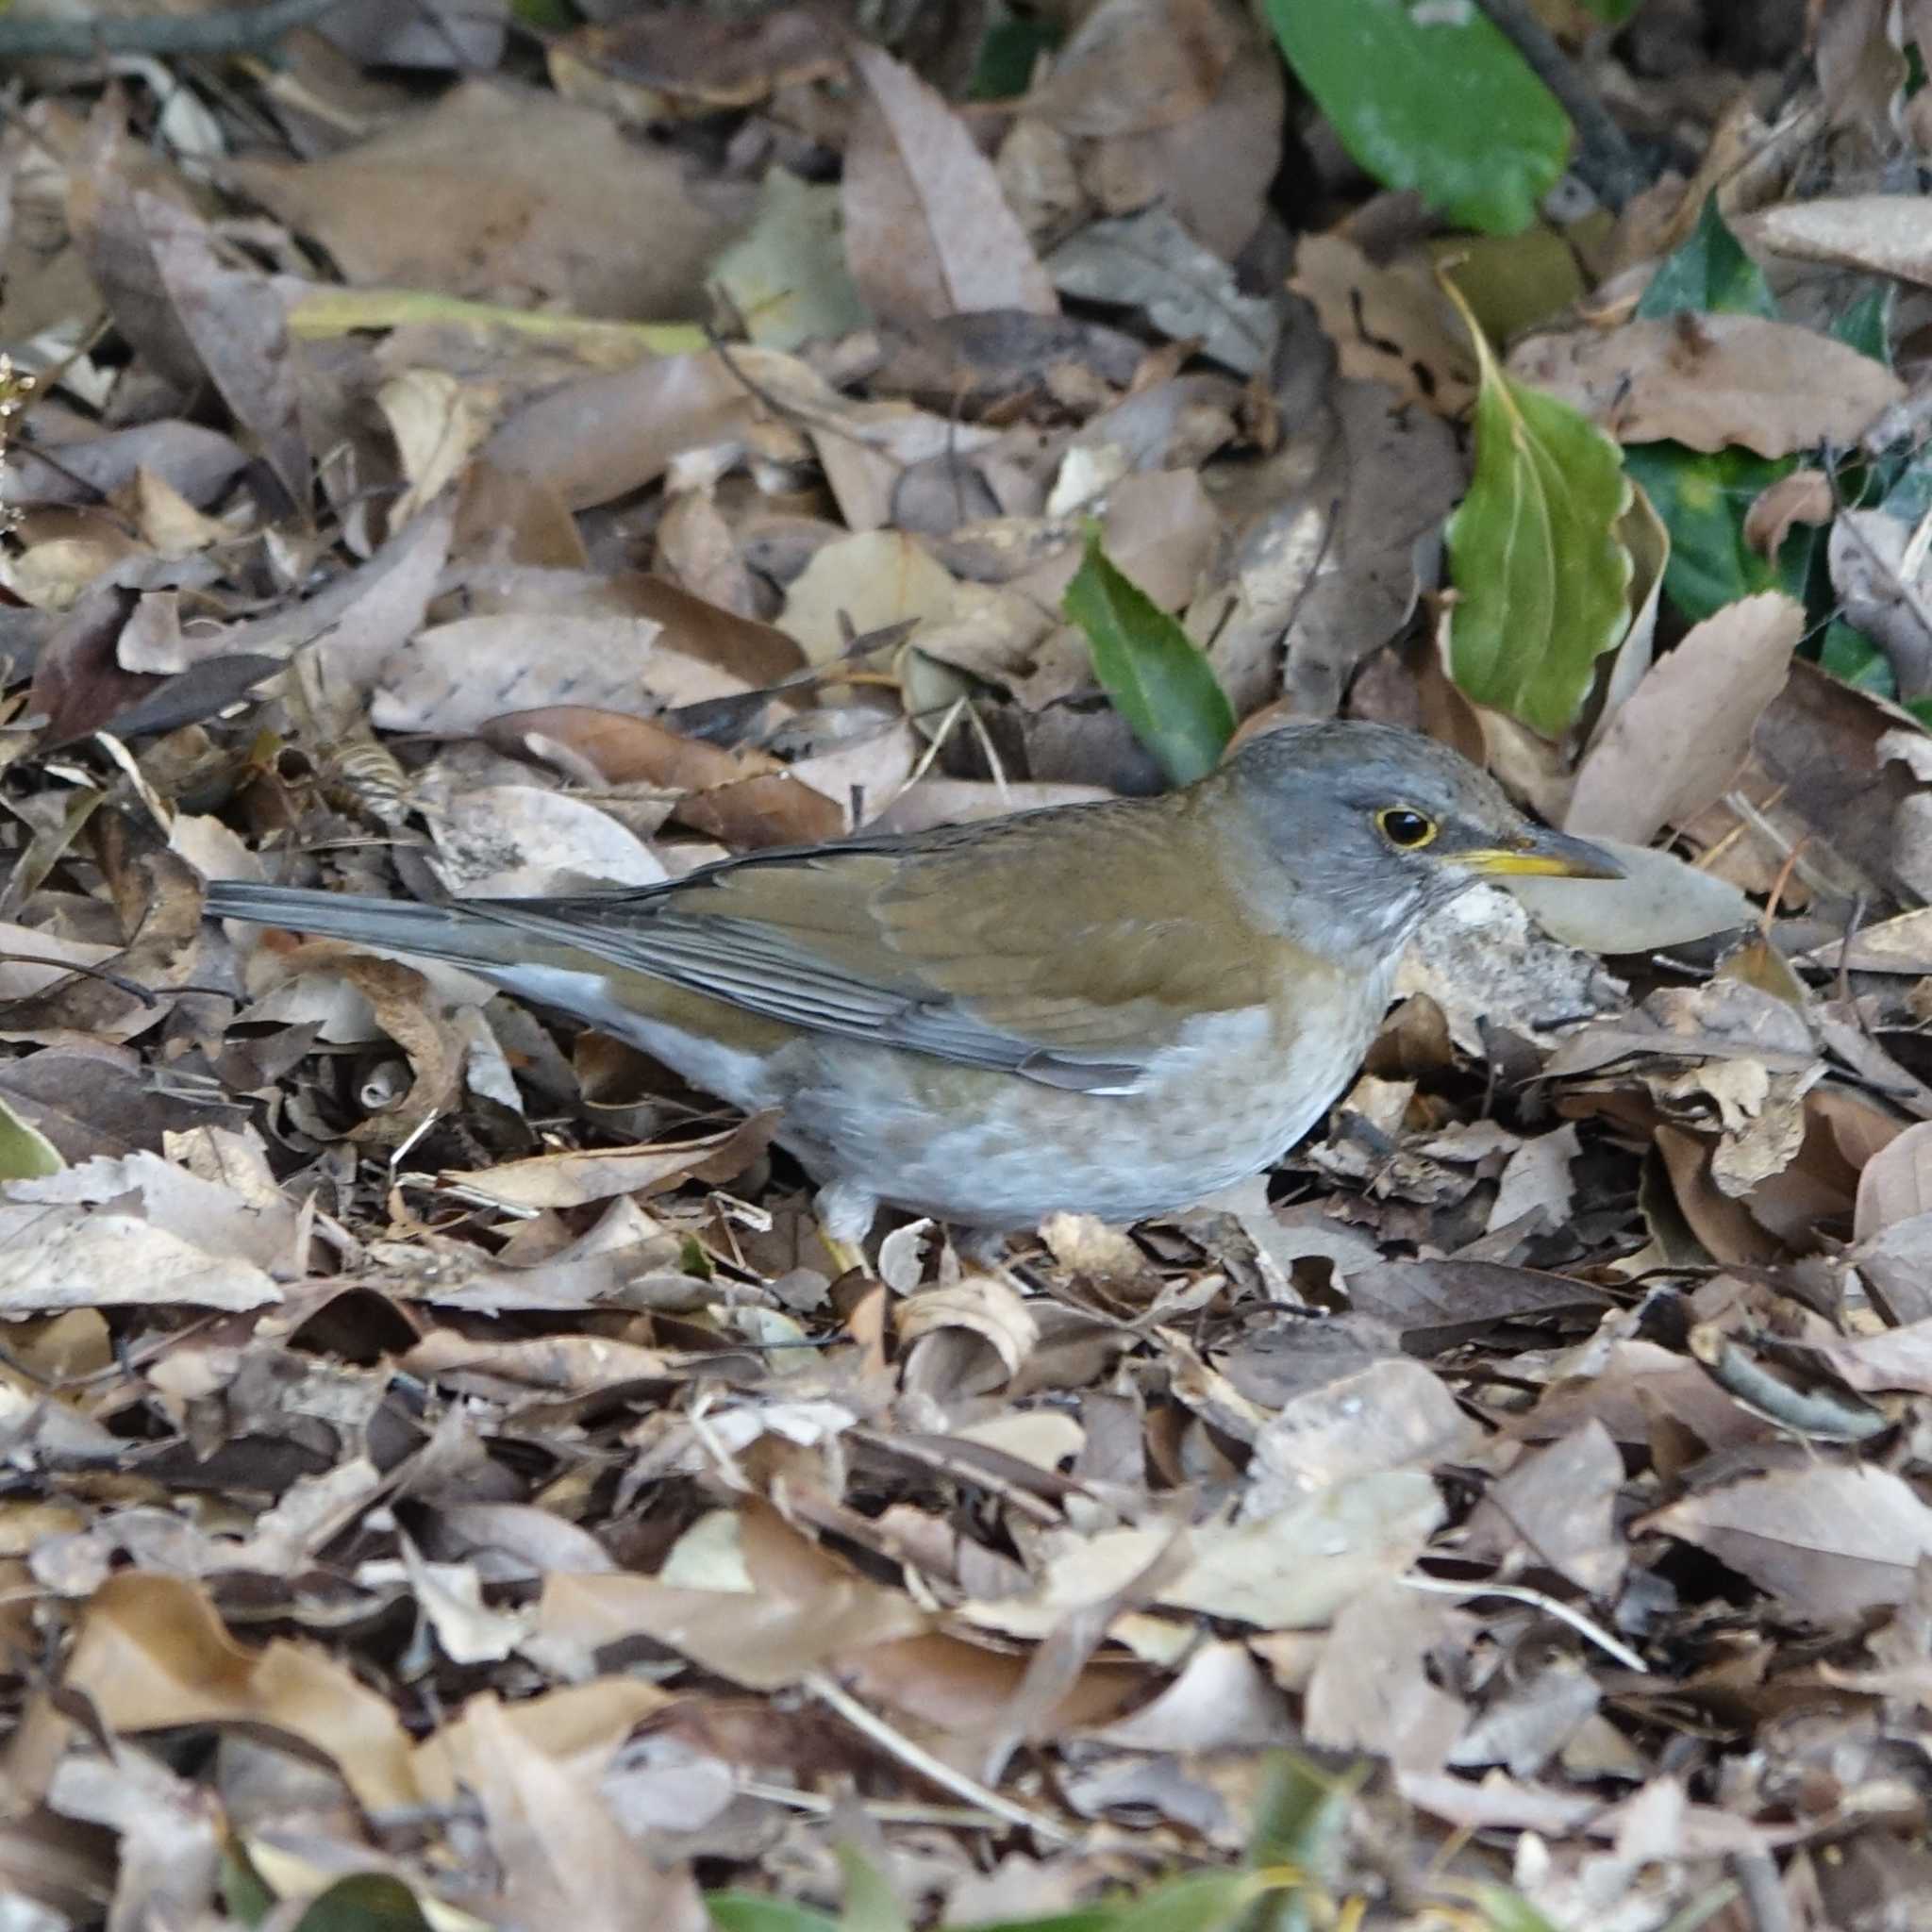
(513, 841)
(571, 1180)
(1827, 1540)
(564, 1857)
(509, 192)
(1397, 1709)
(1392, 326)
(194, 316)
(928, 232)
(1713, 380)
(1674, 747)
(153, 1655)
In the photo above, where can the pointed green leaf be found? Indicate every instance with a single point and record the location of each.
(1158, 678)
(1432, 98)
(1709, 272)
(1541, 576)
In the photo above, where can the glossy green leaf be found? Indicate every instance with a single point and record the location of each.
(1710, 273)
(1703, 499)
(753, 1911)
(25, 1153)
(1542, 575)
(1432, 98)
(1158, 678)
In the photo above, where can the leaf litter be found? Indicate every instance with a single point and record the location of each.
(452, 1483)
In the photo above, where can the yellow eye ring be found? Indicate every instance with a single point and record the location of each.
(1404, 828)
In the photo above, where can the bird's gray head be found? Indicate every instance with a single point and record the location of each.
(1377, 827)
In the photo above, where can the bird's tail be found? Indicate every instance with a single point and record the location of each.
(454, 933)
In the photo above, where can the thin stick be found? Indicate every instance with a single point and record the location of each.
(235, 31)
(868, 1723)
(1613, 1646)
(1604, 157)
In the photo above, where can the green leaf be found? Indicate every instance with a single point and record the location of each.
(365, 1902)
(870, 1904)
(25, 1153)
(1702, 500)
(1866, 325)
(1158, 680)
(1091, 1918)
(1541, 576)
(1853, 658)
(1300, 1822)
(1510, 1912)
(752, 1911)
(1710, 273)
(1009, 54)
(785, 277)
(1431, 98)
(1195, 1902)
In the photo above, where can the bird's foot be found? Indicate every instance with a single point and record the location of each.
(845, 1218)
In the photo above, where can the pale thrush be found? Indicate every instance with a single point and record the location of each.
(1114, 1008)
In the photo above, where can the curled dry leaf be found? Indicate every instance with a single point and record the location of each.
(153, 1655)
(982, 1305)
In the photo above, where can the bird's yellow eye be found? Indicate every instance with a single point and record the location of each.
(1407, 830)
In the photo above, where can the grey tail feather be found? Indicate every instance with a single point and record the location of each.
(401, 926)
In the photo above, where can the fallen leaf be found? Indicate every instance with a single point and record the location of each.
(1675, 745)
(928, 232)
(1710, 380)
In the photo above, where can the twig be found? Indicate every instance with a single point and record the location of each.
(235, 31)
(935, 1771)
(1522, 1593)
(1604, 159)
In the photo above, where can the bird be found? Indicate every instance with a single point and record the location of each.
(1115, 1008)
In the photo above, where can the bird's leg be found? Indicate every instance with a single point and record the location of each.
(845, 1217)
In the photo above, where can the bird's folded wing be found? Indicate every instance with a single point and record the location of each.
(1029, 955)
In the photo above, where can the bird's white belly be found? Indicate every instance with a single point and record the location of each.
(1010, 1152)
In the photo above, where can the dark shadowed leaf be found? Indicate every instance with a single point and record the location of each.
(1709, 272)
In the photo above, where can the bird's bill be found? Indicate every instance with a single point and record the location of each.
(1540, 852)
